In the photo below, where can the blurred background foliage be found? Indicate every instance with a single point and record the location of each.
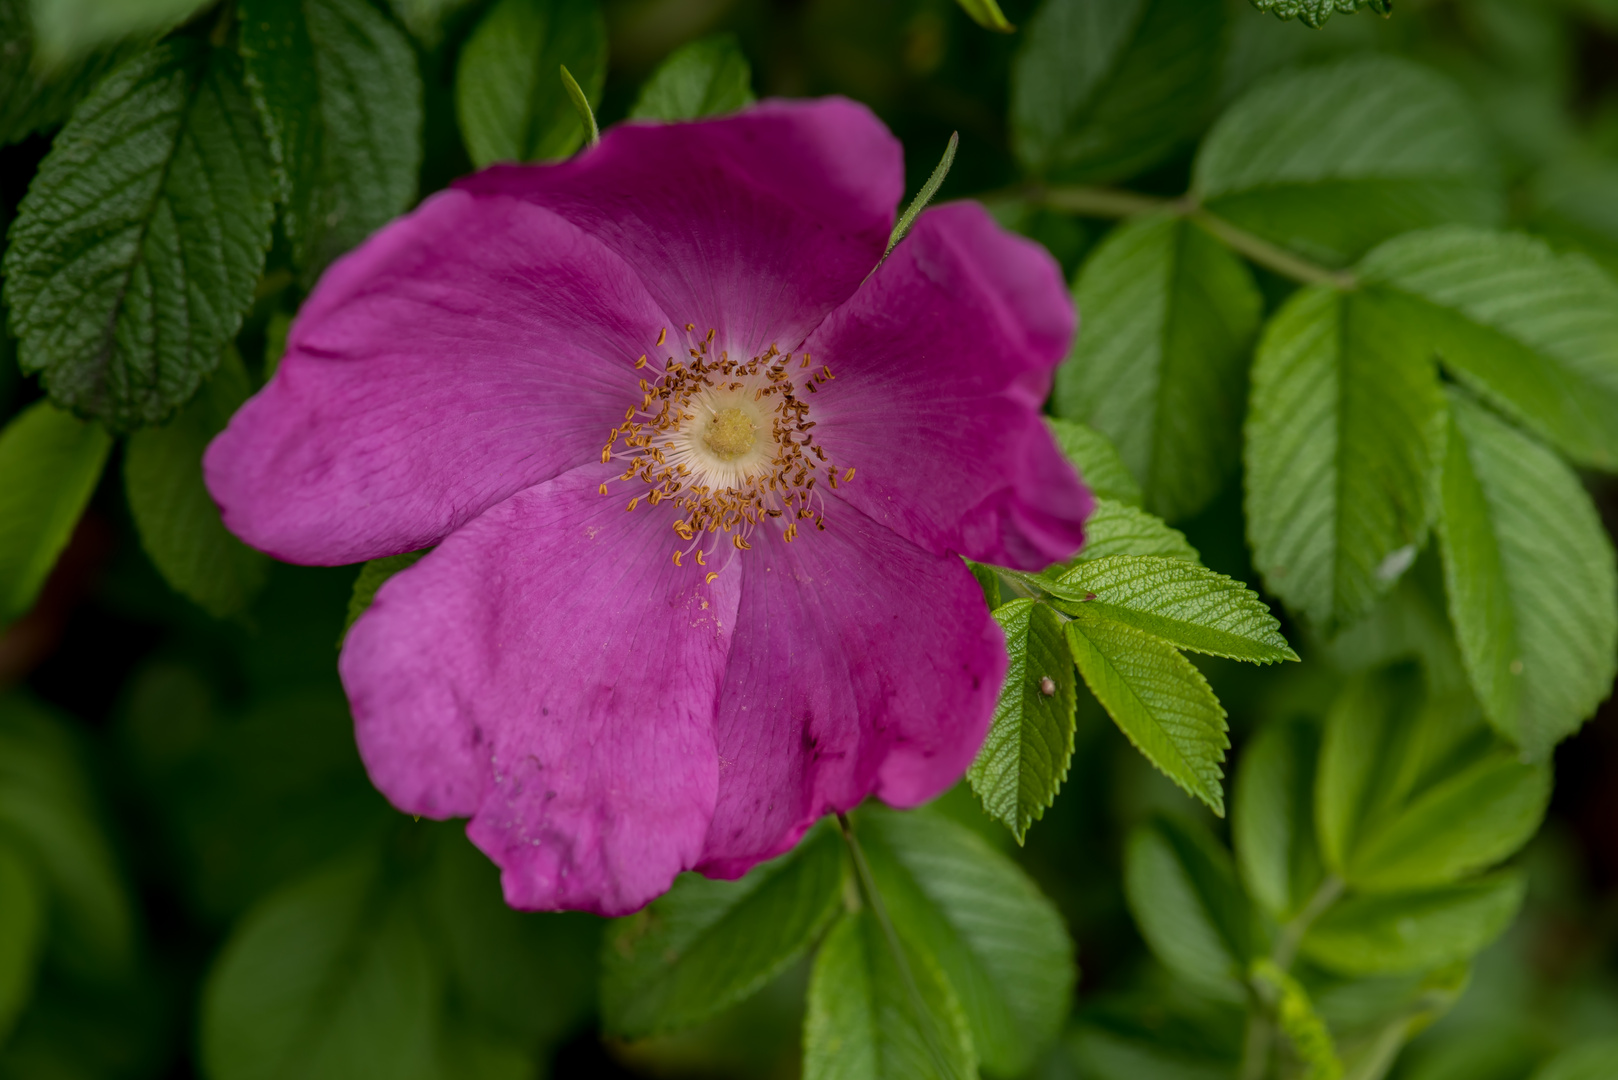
(210, 845)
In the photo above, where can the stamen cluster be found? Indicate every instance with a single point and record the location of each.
(696, 440)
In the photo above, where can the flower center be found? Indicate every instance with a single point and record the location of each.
(728, 442)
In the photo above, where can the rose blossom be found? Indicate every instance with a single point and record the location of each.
(682, 323)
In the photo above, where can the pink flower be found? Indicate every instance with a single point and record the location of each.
(683, 323)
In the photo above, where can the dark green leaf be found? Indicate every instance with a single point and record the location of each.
(707, 944)
(1158, 699)
(1160, 362)
(999, 943)
(34, 95)
(1316, 12)
(370, 579)
(508, 95)
(1183, 893)
(1149, 1038)
(1272, 820)
(427, 19)
(327, 979)
(988, 581)
(1186, 605)
(178, 522)
(1103, 89)
(1023, 761)
(1575, 203)
(1343, 445)
(1329, 161)
(1595, 1059)
(1535, 333)
(862, 1022)
(1097, 460)
(1372, 935)
(69, 29)
(134, 254)
(49, 465)
(337, 88)
(702, 78)
(1530, 575)
(23, 907)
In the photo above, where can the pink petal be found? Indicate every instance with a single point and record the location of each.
(471, 349)
(860, 665)
(549, 671)
(941, 363)
(755, 224)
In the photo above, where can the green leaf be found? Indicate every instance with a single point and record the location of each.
(1575, 203)
(705, 945)
(370, 579)
(1116, 529)
(988, 581)
(1329, 161)
(1316, 12)
(998, 941)
(1530, 575)
(1344, 439)
(68, 29)
(179, 524)
(862, 1022)
(49, 465)
(1097, 460)
(23, 907)
(1160, 363)
(1595, 1059)
(935, 180)
(1183, 893)
(1298, 1020)
(511, 104)
(134, 254)
(47, 807)
(1103, 89)
(703, 78)
(987, 14)
(1374, 935)
(337, 89)
(1533, 332)
(427, 19)
(1024, 758)
(1272, 820)
(1145, 1037)
(326, 979)
(1186, 605)
(1158, 699)
(36, 95)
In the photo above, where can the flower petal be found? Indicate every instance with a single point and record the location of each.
(550, 672)
(941, 363)
(860, 664)
(471, 349)
(755, 224)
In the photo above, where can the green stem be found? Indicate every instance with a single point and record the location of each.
(1269, 255)
(1260, 1027)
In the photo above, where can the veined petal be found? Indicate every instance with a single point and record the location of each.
(756, 224)
(548, 671)
(846, 679)
(471, 349)
(941, 363)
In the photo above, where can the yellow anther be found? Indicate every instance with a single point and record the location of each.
(677, 557)
(641, 362)
(662, 335)
(699, 558)
(602, 489)
(711, 575)
(633, 503)
(741, 545)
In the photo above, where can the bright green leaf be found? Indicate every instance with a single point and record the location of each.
(1186, 605)
(1097, 460)
(370, 579)
(1534, 332)
(36, 95)
(702, 78)
(708, 944)
(1373, 935)
(1116, 529)
(998, 941)
(134, 254)
(1103, 89)
(1160, 362)
(1343, 444)
(509, 98)
(987, 14)
(178, 522)
(1296, 1016)
(862, 1022)
(1272, 820)
(1024, 759)
(1183, 893)
(1328, 161)
(1158, 699)
(49, 465)
(1596, 1059)
(1316, 12)
(337, 89)
(1531, 580)
(23, 906)
(327, 979)
(68, 29)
